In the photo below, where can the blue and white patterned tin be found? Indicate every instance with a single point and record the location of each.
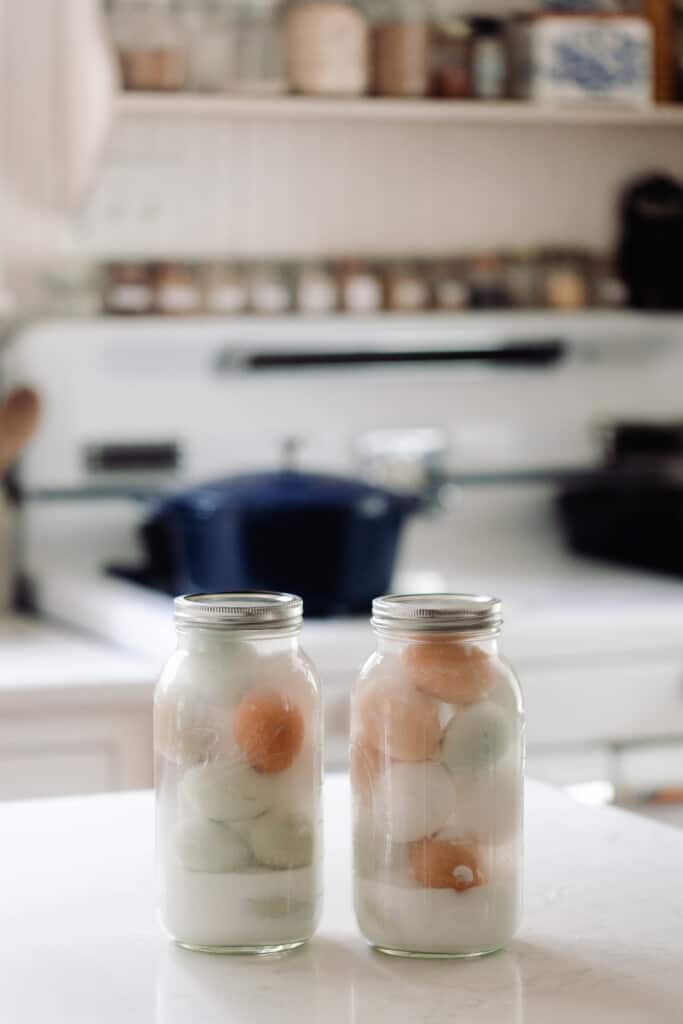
(573, 58)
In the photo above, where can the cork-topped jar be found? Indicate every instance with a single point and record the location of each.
(436, 774)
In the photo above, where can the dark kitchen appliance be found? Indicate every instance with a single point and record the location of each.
(631, 510)
(330, 539)
(650, 254)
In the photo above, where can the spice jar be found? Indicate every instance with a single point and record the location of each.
(608, 290)
(451, 59)
(564, 281)
(400, 48)
(238, 776)
(225, 289)
(489, 65)
(522, 279)
(269, 290)
(360, 287)
(177, 290)
(316, 289)
(128, 289)
(327, 48)
(487, 282)
(450, 287)
(151, 45)
(406, 288)
(436, 775)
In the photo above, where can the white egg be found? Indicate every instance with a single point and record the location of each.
(226, 790)
(280, 840)
(477, 736)
(488, 803)
(414, 800)
(203, 845)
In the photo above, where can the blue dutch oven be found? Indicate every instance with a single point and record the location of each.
(332, 540)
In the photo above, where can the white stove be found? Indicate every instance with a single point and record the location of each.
(599, 649)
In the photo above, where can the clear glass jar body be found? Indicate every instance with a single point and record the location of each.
(437, 742)
(401, 48)
(269, 289)
(407, 288)
(211, 43)
(316, 290)
(225, 289)
(151, 45)
(237, 730)
(260, 66)
(360, 288)
(489, 70)
(177, 290)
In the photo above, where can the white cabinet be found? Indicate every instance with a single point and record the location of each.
(75, 715)
(91, 750)
(613, 700)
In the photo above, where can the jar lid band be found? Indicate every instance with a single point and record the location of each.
(258, 609)
(438, 613)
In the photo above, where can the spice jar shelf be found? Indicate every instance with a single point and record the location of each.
(385, 109)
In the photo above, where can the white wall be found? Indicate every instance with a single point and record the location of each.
(210, 185)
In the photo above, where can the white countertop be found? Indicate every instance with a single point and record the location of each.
(48, 662)
(602, 939)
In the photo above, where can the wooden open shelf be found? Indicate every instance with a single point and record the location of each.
(382, 109)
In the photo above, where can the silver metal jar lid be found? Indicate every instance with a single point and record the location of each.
(438, 613)
(240, 610)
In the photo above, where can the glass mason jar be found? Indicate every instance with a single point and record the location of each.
(260, 68)
(237, 734)
(437, 743)
(211, 43)
(401, 47)
(151, 45)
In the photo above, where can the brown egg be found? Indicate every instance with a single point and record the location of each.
(269, 731)
(440, 864)
(184, 736)
(457, 673)
(366, 767)
(400, 722)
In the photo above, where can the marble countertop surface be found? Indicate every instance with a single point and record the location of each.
(602, 938)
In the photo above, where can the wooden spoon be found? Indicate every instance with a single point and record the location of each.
(19, 415)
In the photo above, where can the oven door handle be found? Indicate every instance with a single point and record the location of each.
(540, 353)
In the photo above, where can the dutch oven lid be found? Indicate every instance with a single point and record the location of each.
(289, 488)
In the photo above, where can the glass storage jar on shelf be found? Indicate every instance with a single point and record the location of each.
(225, 289)
(489, 59)
(407, 288)
(177, 289)
(211, 43)
(269, 288)
(151, 45)
(450, 288)
(437, 743)
(564, 280)
(128, 289)
(316, 289)
(260, 62)
(400, 47)
(327, 48)
(451, 58)
(237, 733)
(360, 287)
